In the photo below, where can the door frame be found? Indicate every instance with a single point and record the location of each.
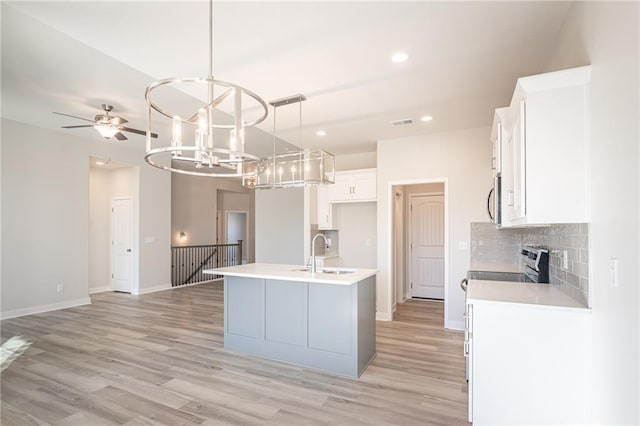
(225, 228)
(408, 294)
(134, 286)
(390, 194)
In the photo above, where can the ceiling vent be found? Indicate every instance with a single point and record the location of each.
(403, 122)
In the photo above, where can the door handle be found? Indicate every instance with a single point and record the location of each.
(128, 250)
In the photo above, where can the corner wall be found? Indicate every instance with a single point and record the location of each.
(45, 217)
(606, 35)
(280, 226)
(463, 159)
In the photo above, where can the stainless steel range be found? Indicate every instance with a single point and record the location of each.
(536, 260)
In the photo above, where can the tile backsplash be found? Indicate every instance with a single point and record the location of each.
(490, 245)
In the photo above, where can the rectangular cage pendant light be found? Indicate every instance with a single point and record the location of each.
(292, 168)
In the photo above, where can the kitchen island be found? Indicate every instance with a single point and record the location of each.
(321, 320)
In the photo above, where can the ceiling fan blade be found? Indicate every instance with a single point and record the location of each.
(73, 116)
(138, 132)
(120, 136)
(77, 127)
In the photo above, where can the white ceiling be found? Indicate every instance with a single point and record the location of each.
(464, 58)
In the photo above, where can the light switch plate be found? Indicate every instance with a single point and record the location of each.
(463, 245)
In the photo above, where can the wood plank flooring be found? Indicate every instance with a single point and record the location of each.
(157, 359)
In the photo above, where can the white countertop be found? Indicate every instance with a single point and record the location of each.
(292, 273)
(538, 295)
(496, 267)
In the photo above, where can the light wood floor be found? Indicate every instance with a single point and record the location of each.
(157, 359)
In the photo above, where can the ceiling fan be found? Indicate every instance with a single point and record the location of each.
(108, 126)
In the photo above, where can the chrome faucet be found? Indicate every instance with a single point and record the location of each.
(313, 250)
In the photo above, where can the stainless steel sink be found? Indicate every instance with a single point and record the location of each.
(338, 271)
(335, 271)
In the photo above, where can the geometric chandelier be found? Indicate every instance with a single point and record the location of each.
(208, 119)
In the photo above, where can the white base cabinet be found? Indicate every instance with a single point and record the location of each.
(527, 364)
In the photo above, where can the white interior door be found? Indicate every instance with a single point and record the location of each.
(122, 244)
(427, 246)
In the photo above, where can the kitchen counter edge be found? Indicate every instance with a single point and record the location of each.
(544, 296)
(292, 273)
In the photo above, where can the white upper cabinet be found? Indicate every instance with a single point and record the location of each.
(544, 142)
(499, 120)
(325, 210)
(354, 186)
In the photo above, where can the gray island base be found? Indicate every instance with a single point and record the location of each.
(321, 321)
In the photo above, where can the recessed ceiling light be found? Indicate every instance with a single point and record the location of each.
(399, 57)
(99, 163)
(321, 133)
(426, 118)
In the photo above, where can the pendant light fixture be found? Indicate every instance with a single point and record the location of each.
(302, 167)
(208, 119)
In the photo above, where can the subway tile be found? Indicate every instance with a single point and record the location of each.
(573, 279)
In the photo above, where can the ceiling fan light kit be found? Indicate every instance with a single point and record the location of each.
(108, 126)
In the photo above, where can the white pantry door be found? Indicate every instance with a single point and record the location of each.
(427, 246)
(122, 244)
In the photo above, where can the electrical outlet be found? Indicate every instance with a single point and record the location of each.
(368, 242)
(565, 260)
(60, 288)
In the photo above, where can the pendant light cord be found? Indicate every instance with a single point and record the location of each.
(211, 39)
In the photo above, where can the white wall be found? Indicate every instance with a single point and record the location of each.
(45, 217)
(280, 226)
(44, 220)
(362, 160)
(357, 225)
(194, 205)
(606, 35)
(99, 234)
(463, 158)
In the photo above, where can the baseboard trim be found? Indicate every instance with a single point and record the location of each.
(15, 313)
(454, 325)
(382, 316)
(100, 289)
(152, 289)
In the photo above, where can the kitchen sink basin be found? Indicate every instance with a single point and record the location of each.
(338, 271)
(335, 271)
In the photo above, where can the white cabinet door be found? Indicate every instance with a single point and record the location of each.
(518, 157)
(544, 167)
(340, 191)
(528, 365)
(354, 186)
(325, 216)
(364, 186)
(497, 136)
